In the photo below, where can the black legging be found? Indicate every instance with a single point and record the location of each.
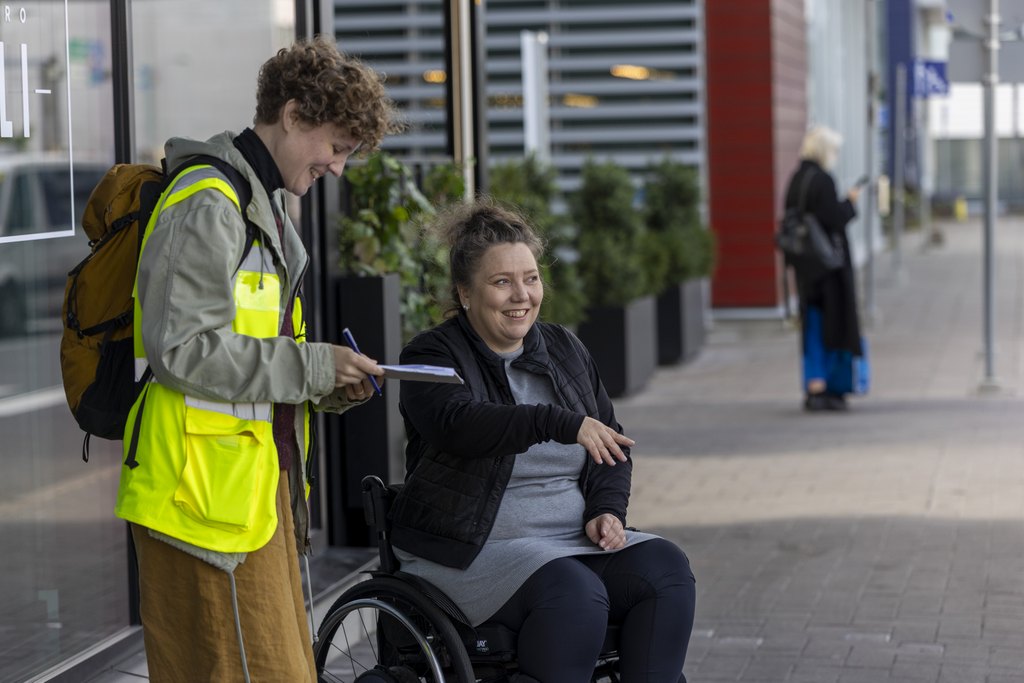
(563, 609)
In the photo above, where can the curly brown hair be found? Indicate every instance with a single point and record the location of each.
(329, 87)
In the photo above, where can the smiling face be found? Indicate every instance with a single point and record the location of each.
(504, 296)
(307, 152)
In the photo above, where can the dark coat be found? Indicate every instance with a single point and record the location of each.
(463, 439)
(835, 293)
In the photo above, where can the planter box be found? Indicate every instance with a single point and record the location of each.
(681, 321)
(623, 343)
(367, 439)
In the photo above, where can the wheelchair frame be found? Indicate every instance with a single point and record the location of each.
(415, 633)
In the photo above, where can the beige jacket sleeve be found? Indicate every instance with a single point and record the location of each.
(185, 290)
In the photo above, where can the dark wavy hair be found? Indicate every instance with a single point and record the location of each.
(330, 87)
(470, 229)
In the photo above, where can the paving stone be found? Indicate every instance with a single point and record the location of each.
(829, 650)
(1012, 658)
(960, 627)
(788, 643)
(863, 676)
(956, 673)
(915, 671)
(871, 656)
(915, 630)
(908, 651)
(1003, 677)
(809, 671)
(765, 667)
(965, 651)
(720, 666)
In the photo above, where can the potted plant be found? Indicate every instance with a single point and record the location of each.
(429, 299)
(386, 292)
(683, 250)
(530, 185)
(619, 328)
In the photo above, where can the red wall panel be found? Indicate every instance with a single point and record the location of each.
(756, 113)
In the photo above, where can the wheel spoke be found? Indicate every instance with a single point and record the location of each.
(369, 638)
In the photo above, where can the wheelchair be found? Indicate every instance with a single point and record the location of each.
(397, 628)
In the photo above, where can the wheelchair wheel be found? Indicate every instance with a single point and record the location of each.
(384, 631)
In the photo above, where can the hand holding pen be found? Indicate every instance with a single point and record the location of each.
(354, 371)
(375, 370)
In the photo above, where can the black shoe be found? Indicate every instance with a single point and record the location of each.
(836, 402)
(815, 403)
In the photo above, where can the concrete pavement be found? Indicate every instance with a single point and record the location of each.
(882, 544)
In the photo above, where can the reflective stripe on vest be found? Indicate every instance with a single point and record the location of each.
(206, 472)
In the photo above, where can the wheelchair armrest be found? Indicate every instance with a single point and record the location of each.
(377, 499)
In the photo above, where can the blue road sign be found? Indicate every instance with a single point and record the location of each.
(930, 78)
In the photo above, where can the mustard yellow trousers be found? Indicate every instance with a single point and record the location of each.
(188, 622)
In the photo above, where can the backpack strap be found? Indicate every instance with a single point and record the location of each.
(237, 181)
(804, 185)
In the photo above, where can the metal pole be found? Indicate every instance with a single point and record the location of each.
(924, 213)
(122, 79)
(991, 190)
(869, 160)
(458, 58)
(898, 175)
(536, 114)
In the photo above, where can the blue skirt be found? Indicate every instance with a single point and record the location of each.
(843, 372)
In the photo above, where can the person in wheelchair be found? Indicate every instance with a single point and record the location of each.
(517, 481)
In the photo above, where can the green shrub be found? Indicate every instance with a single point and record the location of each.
(382, 233)
(672, 215)
(611, 236)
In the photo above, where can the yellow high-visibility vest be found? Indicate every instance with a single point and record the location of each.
(206, 472)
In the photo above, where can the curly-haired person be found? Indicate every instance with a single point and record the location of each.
(213, 480)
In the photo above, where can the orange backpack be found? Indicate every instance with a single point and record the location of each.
(97, 358)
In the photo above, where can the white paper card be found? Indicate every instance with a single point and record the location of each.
(422, 373)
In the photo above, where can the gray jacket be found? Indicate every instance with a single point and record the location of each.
(185, 291)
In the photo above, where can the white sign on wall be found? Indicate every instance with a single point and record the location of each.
(36, 182)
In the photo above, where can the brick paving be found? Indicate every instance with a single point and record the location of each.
(883, 544)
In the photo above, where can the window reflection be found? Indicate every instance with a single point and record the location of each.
(63, 554)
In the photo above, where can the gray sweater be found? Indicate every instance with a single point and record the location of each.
(540, 518)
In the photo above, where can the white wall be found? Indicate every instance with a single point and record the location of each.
(837, 90)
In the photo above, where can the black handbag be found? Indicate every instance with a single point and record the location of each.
(806, 245)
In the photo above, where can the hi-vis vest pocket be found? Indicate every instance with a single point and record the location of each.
(257, 302)
(227, 460)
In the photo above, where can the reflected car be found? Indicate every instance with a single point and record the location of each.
(35, 201)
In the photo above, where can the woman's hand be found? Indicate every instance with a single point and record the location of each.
(352, 370)
(606, 531)
(602, 442)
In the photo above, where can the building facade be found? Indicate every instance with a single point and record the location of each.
(774, 67)
(624, 81)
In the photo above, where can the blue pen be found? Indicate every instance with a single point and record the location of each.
(355, 347)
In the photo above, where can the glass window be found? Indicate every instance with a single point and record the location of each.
(19, 220)
(186, 82)
(63, 555)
